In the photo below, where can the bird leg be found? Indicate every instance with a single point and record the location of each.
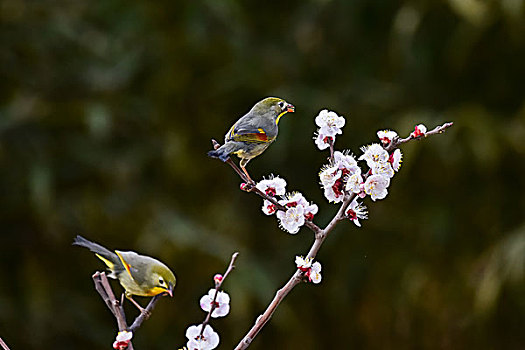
(243, 164)
(146, 313)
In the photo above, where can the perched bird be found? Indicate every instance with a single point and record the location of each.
(254, 132)
(139, 274)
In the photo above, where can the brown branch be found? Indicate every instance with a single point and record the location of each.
(320, 234)
(437, 130)
(106, 293)
(218, 285)
(144, 315)
(3, 344)
(115, 306)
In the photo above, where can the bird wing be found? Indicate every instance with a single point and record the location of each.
(248, 134)
(125, 258)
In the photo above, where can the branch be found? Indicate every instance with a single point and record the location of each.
(3, 344)
(218, 284)
(106, 293)
(115, 306)
(437, 130)
(320, 234)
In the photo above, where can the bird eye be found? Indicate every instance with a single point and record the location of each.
(281, 104)
(161, 281)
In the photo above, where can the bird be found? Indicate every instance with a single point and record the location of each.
(139, 274)
(254, 132)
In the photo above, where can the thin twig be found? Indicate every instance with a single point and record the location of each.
(320, 234)
(144, 315)
(115, 306)
(218, 285)
(437, 130)
(104, 289)
(3, 344)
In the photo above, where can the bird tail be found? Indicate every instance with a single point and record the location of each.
(223, 152)
(109, 258)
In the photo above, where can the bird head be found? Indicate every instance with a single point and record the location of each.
(162, 280)
(276, 106)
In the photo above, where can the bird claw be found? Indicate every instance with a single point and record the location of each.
(146, 313)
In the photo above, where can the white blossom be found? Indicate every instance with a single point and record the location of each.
(268, 207)
(315, 273)
(332, 183)
(302, 263)
(222, 303)
(356, 211)
(311, 269)
(376, 186)
(346, 163)
(373, 154)
(386, 136)
(323, 141)
(396, 159)
(274, 186)
(383, 168)
(329, 123)
(419, 131)
(292, 219)
(354, 183)
(208, 341)
(329, 175)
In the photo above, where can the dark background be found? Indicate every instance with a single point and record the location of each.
(106, 114)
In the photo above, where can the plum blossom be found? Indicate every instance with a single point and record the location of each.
(346, 163)
(329, 123)
(303, 264)
(323, 141)
(386, 136)
(292, 219)
(207, 341)
(356, 211)
(355, 183)
(332, 183)
(376, 186)
(311, 269)
(221, 303)
(122, 340)
(314, 274)
(383, 168)
(268, 207)
(274, 186)
(419, 131)
(374, 154)
(310, 210)
(295, 200)
(396, 159)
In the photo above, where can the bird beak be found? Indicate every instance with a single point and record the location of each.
(170, 290)
(290, 108)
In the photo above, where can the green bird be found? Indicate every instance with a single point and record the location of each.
(254, 132)
(139, 274)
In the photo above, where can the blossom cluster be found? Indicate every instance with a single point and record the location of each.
(218, 304)
(343, 176)
(330, 125)
(311, 269)
(298, 209)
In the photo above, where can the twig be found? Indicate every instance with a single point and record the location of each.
(437, 130)
(3, 344)
(115, 306)
(320, 235)
(106, 293)
(218, 284)
(144, 315)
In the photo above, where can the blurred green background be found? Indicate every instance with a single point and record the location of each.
(106, 114)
